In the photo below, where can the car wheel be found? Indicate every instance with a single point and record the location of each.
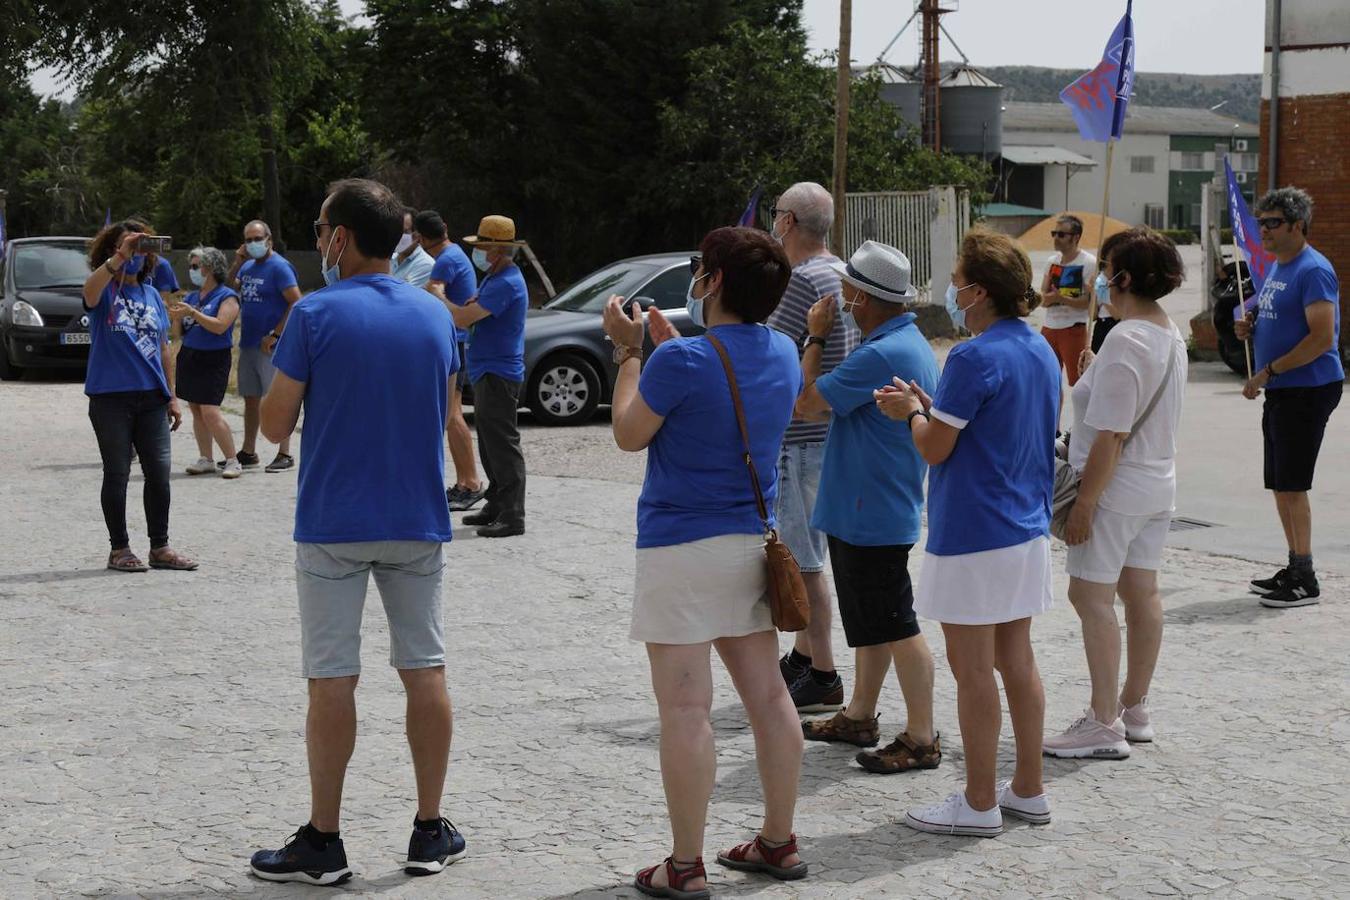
(564, 390)
(8, 371)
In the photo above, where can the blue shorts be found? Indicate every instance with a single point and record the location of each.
(798, 482)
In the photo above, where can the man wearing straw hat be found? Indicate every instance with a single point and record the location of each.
(869, 505)
(496, 369)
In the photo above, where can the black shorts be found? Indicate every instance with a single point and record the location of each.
(201, 376)
(1292, 423)
(462, 376)
(876, 597)
(1100, 331)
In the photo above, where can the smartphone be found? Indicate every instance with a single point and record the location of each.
(155, 243)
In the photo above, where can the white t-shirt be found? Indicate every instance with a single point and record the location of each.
(1074, 279)
(1112, 394)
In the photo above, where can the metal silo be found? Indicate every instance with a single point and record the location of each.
(898, 88)
(972, 118)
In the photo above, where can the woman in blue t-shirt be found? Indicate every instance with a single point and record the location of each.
(203, 365)
(701, 572)
(130, 389)
(989, 435)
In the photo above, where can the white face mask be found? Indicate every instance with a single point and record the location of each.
(693, 304)
(403, 243)
(256, 249)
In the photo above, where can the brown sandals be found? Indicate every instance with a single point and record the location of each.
(839, 728)
(676, 879)
(770, 861)
(125, 561)
(902, 755)
(165, 558)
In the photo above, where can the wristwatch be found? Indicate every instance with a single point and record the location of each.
(813, 339)
(1270, 371)
(274, 335)
(623, 353)
(909, 419)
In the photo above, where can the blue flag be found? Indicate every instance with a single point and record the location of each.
(1247, 238)
(747, 219)
(1098, 98)
(107, 218)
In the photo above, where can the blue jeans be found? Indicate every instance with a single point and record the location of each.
(798, 483)
(121, 421)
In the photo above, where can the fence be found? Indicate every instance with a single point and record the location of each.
(909, 220)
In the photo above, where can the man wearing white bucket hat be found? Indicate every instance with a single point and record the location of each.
(869, 505)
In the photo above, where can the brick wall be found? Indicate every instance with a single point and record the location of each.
(1314, 154)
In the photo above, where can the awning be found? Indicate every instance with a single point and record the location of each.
(1026, 155)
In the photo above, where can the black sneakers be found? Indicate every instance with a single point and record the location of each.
(790, 670)
(1297, 589)
(431, 851)
(247, 460)
(1263, 586)
(460, 499)
(810, 696)
(300, 860)
(283, 462)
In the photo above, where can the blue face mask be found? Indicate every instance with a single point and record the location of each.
(133, 265)
(195, 276)
(694, 305)
(256, 249)
(480, 259)
(953, 309)
(846, 314)
(332, 274)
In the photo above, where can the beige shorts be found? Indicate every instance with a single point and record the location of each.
(701, 591)
(1119, 541)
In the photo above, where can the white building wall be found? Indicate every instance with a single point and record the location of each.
(1130, 192)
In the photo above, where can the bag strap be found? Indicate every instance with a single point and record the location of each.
(745, 432)
(1157, 395)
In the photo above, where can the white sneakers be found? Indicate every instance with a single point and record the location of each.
(1035, 810)
(1089, 738)
(954, 816)
(233, 468)
(205, 466)
(1138, 726)
(202, 466)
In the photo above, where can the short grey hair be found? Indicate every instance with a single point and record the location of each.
(213, 261)
(267, 229)
(812, 206)
(1295, 204)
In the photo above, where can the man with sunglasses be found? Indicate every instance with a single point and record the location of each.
(1065, 296)
(801, 223)
(1296, 326)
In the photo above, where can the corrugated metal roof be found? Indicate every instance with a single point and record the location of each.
(995, 210)
(890, 74)
(1027, 155)
(1022, 116)
(967, 76)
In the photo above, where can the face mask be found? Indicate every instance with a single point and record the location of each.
(953, 309)
(1102, 286)
(693, 304)
(779, 238)
(196, 277)
(846, 314)
(403, 243)
(332, 274)
(256, 249)
(133, 265)
(480, 259)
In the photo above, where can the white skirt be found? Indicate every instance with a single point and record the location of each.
(986, 588)
(702, 590)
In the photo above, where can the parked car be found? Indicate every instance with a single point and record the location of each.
(43, 322)
(569, 366)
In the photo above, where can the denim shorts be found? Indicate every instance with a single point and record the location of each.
(798, 482)
(331, 580)
(255, 372)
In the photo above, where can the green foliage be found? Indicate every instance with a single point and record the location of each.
(1179, 236)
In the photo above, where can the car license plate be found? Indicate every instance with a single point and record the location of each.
(81, 337)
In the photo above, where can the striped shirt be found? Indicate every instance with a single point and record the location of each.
(811, 280)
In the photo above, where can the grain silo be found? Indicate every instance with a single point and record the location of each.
(898, 88)
(972, 119)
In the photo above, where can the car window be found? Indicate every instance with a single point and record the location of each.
(590, 293)
(49, 265)
(669, 289)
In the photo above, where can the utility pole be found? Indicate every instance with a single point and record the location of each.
(845, 75)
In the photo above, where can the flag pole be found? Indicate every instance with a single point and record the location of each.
(1242, 303)
(1101, 235)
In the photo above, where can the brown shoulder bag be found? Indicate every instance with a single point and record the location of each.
(787, 592)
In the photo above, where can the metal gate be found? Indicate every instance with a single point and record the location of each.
(905, 220)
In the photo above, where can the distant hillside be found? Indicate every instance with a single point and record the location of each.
(1243, 92)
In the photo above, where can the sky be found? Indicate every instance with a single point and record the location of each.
(1208, 37)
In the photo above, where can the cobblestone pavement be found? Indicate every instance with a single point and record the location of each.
(151, 725)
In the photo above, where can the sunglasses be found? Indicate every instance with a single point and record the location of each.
(695, 262)
(319, 225)
(1270, 223)
(1064, 234)
(775, 210)
(194, 267)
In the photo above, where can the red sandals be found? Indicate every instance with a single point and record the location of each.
(770, 862)
(676, 879)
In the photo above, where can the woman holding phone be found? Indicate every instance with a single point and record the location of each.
(130, 389)
(203, 366)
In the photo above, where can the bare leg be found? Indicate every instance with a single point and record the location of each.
(201, 431)
(970, 651)
(682, 679)
(752, 662)
(330, 737)
(429, 728)
(1143, 631)
(218, 427)
(1096, 607)
(252, 414)
(814, 641)
(1016, 662)
(871, 666)
(284, 448)
(460, 440)
(914, 668)
(1296, 516)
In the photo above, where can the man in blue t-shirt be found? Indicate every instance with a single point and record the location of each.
(870, 502)
(453, 282)
(496, 367)
(164, 280)
(367, 355)
(1297, 327)
(267, 290)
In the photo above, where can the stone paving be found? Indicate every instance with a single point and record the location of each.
(151, 725)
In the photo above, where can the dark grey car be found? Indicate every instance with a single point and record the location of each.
(569, 366)
(43, 322)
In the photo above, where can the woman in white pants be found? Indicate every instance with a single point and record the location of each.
(1127, 409)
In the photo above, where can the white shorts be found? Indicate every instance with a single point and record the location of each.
(987, 587)
(1118, 541)
(701, 591)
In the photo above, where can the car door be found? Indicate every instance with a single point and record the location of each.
(668, 291)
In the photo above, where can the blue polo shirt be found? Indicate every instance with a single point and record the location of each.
(453, 269)
(197, 337)
(1282, 320)
(697, 483)
(1001, 390)
(164, 279)
(497, 343)
(375, 355)
(261, 303)
(871, 478)
(127, 332)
